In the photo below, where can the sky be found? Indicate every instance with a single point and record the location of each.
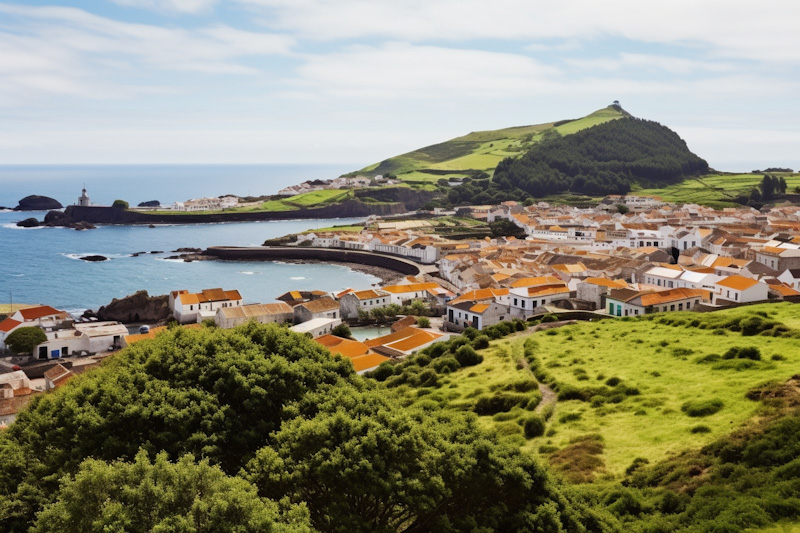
(357, 81)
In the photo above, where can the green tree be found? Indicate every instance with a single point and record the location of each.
(503, 227)
(342, 330)
(120, 204)
(424, 322)
(364, 464)
(25, 339)
(418, 307)
(146, 496)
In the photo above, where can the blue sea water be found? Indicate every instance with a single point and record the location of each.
(43, 265)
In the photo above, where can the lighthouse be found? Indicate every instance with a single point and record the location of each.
(84, 198)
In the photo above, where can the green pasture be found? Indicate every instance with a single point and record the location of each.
(715, 190)
(635, 376)
(661, 361)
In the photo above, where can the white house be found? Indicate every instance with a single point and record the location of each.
(478, 315)
(321, 308)
(740, 289)
(189, 307)
(525, 299)
(85, 338)
(629, 302)
(790, 276)
(230, 317)
(399, 294)
(355, 301)
(316, 327)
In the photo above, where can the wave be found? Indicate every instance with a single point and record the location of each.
(297, 278)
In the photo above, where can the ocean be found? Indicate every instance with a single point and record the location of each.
(43, 265)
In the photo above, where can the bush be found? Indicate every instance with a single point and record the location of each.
(743, 352)
(480, 342)
(423, 322)
(25, 339)
(342, 330)
(533, 426)
(549, 318)
(696, 408)
(120, 204)
(467, 356)
(569, 417)
(445, 365)
(383, 371)
(700, 429)
(498, 403)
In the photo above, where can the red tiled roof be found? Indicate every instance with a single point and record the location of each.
(32, 313)
(8, 324)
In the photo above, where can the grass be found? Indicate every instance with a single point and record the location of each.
(715, 190)
(477, 151)
(648, 370)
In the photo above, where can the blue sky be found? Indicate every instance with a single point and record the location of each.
(356, 81)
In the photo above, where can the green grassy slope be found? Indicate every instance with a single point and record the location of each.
(480, 151)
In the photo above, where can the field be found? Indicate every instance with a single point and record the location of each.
(646, 388)
(292, 203)
(715, 190)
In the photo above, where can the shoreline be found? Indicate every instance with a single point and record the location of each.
(386, 275)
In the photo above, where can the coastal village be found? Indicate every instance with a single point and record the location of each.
(628, 256)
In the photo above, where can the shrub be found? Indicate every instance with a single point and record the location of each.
(467, 356)
(383, 371)
(700, 429)
(533, 426)
(743, 352)
(569, 417)
(342, 330)
(424, 322)
(25, 339)
(480, 342)
(120, 204)
(696, 408)
(613, 381)
(549, 318)
(445, 365)
(499, 402)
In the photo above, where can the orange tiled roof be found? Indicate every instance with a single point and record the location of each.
(32, 313)
(737, 282)
(367, 294)
(671, 295)
(479, 308)
(532, 282)
(547, 289)
(605, 282)
(321, 305)
(367, 361)
(784, 290)
(8, 324)
(480, 294)
(344, 347)
(411, 287)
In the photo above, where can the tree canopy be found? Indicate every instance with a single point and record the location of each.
(195, 424)
(605, 159)
(25, 339)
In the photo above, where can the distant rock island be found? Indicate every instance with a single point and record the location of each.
(35, 202)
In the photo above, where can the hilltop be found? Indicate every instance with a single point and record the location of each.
(481, 151)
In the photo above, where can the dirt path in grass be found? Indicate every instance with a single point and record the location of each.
(549, 397)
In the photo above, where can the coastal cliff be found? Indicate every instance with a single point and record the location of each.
(112, 215)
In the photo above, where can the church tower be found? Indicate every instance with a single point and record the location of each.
(84, 198)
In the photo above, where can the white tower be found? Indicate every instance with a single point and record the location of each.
(84, 198)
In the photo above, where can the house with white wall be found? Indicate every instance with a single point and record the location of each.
(190, 308)
(739, 289)
(277, 313)
(630, 302)
(355, 301)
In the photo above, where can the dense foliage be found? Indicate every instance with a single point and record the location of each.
(240, 429)
(25, 339)
(605, 159)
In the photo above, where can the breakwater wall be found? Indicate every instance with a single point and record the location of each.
(112, 215)
(279, 253)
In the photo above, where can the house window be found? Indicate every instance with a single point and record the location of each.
(659, 283)
(736, 296)
(680, 307)
(523, 304)
(515, 301)
(191, 308)
(672, 307)
(688, 305)
(64, 351)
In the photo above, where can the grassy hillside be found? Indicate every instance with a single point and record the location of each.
(715, 190)
(673, 422)
(480, 151)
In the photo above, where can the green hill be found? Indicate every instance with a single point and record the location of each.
(481, 151)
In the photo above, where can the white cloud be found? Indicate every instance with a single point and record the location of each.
(177, 6)
(68, 51)
(400, 70)
(655, 64)
(764, 31)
